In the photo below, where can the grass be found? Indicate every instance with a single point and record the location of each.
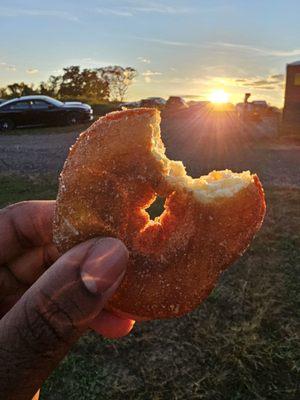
(242, 343)
(14, 188)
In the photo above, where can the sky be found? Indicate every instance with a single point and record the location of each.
(186, 48)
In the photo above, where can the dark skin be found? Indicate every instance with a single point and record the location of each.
(48, 301)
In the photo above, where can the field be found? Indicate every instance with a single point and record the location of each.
(241, 343)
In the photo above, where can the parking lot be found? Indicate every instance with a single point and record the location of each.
(224, 346)
(40, 151)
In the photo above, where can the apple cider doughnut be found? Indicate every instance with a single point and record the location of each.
(114, 171)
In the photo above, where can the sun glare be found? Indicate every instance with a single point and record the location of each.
(219, 96)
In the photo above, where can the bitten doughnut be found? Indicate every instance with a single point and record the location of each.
(113, 173)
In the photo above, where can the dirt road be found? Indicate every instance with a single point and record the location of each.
(34, 153)
(45, 153)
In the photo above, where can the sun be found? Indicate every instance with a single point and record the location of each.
(219, 96)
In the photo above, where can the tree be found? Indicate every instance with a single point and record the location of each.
(76, 84)
(71, 82)
(119, 80)
(19, 89)
(94, 85)
(3, 93)
(51, 87)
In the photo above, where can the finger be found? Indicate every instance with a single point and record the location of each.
(10, 300)
(28, 267)
(9, 285)
(40, 329)
(23, 226)
(111, 326)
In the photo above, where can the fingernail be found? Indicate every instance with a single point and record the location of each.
(105, 266)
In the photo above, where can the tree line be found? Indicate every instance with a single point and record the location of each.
(94, 85)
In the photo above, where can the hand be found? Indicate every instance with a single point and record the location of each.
(47, 302)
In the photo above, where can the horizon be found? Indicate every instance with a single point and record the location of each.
(178, 47)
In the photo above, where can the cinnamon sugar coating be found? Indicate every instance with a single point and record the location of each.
(110, 177)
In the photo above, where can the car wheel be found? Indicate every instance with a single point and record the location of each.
(6, 125)
(72, 119)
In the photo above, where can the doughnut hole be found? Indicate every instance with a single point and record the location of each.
(156, 208)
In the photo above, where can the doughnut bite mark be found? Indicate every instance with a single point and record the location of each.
(113, 173)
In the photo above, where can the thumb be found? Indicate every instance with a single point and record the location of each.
(40, 329)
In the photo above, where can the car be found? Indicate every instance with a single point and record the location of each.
(153, 102)
(42, 111)
(176, 103)
(260, 103)
(2, 101)
(129, 104)
(150, 102)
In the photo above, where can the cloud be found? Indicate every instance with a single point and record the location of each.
(133, 7)
(8, 67)
(158, 7)
(114, 11)
(11, 68)
(144, 60)
(284, 53)
(191, 96)
(262, 51)
(278, 77)
(167, 42)
(151, 73)
(262, 82)
(271, 82)
(148, 75)
(267, 87)
(18, 12)
(32, 71)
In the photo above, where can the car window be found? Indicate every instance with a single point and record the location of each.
(19, 105)
(55, 102)
(39, 104)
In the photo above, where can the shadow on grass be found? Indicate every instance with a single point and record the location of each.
(15, 188)
(242, 343)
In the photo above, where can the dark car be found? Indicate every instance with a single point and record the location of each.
(41, 111)
(129, 104)
(176, 103)
(153, 102)
(2, 101)
(150, 102)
